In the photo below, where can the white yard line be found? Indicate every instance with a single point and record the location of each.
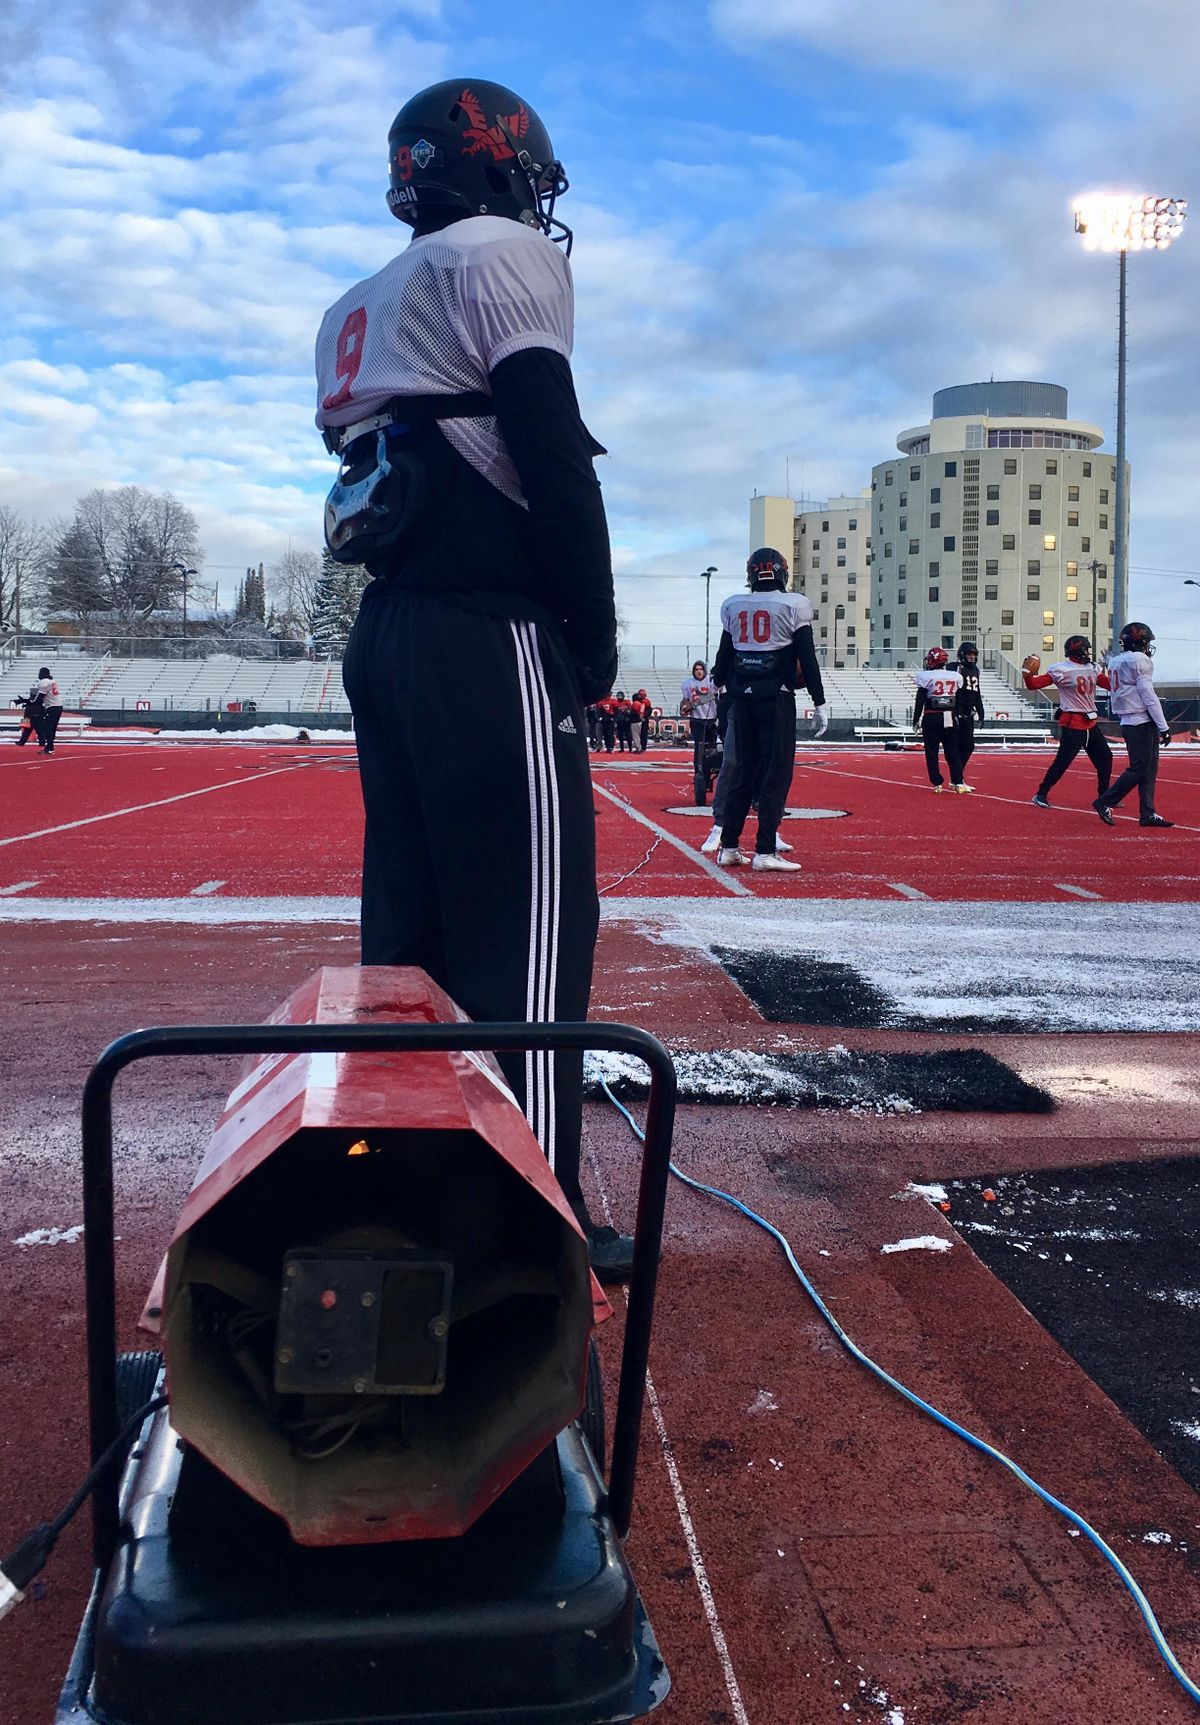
(724, 876)
(212, 908)
(17, 886)
(139, 808)
(905, 891)
(1078, 891)
(688, 1526)
(206, 887)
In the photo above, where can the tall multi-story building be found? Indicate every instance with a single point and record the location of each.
(829, 548)
(996, 524)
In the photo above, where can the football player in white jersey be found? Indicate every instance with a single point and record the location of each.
(766, 653)
(1076, 678)
(467, 488)
(1143, 725)
(933, 715)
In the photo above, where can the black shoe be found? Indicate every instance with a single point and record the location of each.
(1155, 821)
(1040, 801)
(610, 1254)
(1105, 813)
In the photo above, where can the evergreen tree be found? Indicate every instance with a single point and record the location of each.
(339, 588)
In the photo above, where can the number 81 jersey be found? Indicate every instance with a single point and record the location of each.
(764, 622)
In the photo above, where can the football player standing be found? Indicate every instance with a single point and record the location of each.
(467, 489)
(1076, 678)
(968, 702)
(1143, 725)
(938, 685)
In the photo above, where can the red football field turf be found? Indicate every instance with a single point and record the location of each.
(810, 1548)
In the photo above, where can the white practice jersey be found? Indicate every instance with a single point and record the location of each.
(437, 319)
(940, 688)
(764, 622)
(1076, 685)
(702, 693)
(1131, 685)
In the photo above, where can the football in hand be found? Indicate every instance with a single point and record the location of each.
(1032, 664)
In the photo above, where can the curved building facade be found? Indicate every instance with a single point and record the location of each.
(995, 524)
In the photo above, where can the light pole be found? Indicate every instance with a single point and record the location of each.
(1190, 583)
(1126, 224)
(181, 569)
(706, 576)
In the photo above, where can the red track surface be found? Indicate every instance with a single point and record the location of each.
(837, 1539)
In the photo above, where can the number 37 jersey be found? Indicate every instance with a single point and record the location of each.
(764, 622)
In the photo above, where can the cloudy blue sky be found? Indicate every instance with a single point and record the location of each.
(794, 220)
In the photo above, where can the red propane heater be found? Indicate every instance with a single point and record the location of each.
(377, 1493)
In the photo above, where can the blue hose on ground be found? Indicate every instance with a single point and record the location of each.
(1139, 1598)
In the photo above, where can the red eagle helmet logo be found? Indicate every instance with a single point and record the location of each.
(479, 136)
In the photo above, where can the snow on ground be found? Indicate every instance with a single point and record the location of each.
(51, 1236)
(919, 1243)
(1035, 966)
(743, 1077)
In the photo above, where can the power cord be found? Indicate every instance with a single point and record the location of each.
(29, 1557)
(1186, 1683)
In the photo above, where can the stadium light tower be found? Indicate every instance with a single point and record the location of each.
(1123, 224)
(706, 576)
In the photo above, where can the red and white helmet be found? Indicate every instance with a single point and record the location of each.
(935, 659)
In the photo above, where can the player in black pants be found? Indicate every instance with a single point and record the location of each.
(467, 489)
(968, 702)
(933, 713)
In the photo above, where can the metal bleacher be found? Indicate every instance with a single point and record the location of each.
(181, 685)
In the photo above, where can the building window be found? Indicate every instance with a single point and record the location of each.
(903, 500)
(914, 547)
(824, 595)
(935, 494)
(824, 527)
(1102, 596)
(914, 473)
(1072, 494)
(1006, 619)
(1104, 521)
(992, 567)
(1085, 618)
(1087, 470)
(1010, 464)
(912, 619)
(887, 550)
(1072, 595)
(947, 619)
(824, 633)
(1033, 591)
(1035, 492)
(1049, 542)
(1048, 642)
(841, 562)
(902, 524)
(1104, 496)
(887, 619)
(935, 570)
(1033, 568)
(1085, 544)
(1047, 619)
(887, 641)
(948, 542)
(1072, 518)
(935, 520)
(902, 597)
(951, 469)
(853, 526)
(991, 592)
(947, 640)
(1072, 570)
(1035, 518)
(974, 437)
(993, 494)
(900, 569)
(852, 577)
(1006, 642)
(992, 518)
(887, 478)
(933, 595)
(841, 544)
(1008, 542)
(912, 642)
(816, 562)
(1052, 464)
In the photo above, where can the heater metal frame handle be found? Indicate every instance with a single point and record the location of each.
(98, 1199)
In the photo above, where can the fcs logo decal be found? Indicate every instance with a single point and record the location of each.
(423, 152)
(480, 136)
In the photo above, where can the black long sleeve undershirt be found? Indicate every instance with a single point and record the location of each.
(552, 451)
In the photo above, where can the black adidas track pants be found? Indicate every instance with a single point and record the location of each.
(1069, 744)
(479, 856)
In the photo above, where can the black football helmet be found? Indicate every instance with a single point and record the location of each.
(968, 653)
(472, 148)
(1137, 638)
(766, 568)
(1078, 649)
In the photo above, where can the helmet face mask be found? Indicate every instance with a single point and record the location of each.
(472, 149)
(936, 659)
(1078, 649)
(1138, 638)
(766, 568)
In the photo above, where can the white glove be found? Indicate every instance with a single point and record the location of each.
(821, 714)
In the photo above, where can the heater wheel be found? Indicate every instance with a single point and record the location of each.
(137, 1375)
(591, 1423)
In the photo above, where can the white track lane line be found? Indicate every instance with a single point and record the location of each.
(138, 808)
(722, 875)
(688, 1526)
(17, 886)
(905, 891)
(206, 887)
(986, 796)
(1076, 891)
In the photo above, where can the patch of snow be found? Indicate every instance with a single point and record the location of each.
(51, 1236)
(936, 1194)
(920, 1243)
(259, 734)
(1156, 1537)
(763, 1403)
(1188, 1428)
(1188, 1298)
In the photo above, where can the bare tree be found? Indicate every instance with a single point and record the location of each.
(22, 548)
(119, 555)
(296, 589)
